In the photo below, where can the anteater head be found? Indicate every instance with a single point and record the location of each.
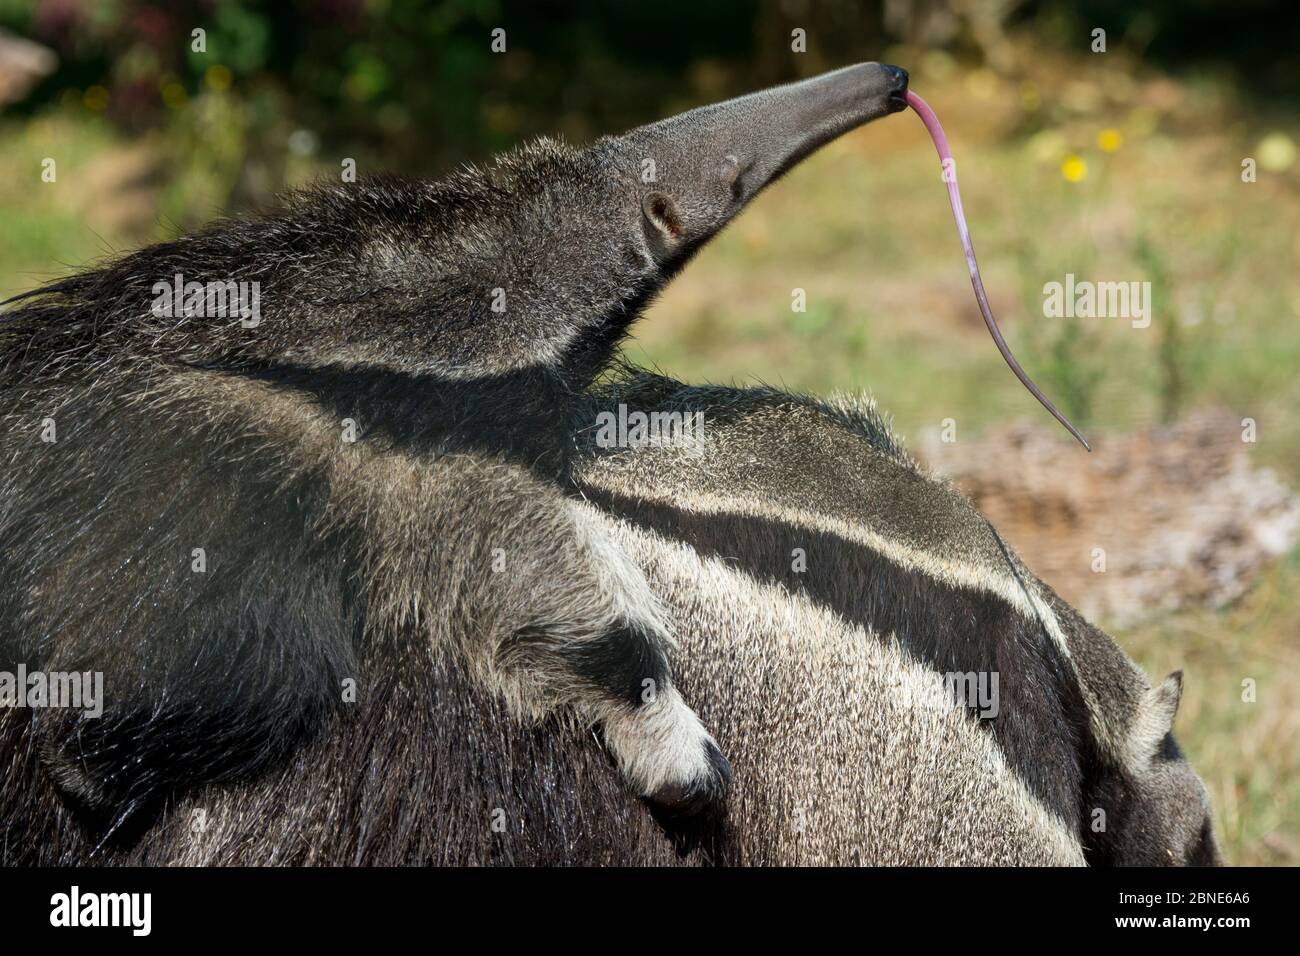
(1157, 808)
(666, 189)
(582, 239)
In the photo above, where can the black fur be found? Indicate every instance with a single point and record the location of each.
(622, 662)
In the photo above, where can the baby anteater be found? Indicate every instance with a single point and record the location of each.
(219, 506)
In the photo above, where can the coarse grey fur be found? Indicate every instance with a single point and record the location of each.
(399, 644)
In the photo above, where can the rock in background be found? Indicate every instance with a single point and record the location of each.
(1180, 514)
(23, 64)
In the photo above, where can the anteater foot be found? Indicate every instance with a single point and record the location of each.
(703, 795)
(668, 756)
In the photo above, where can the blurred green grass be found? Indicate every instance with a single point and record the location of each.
(864, 228)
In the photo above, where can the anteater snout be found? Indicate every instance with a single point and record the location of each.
(898, 89)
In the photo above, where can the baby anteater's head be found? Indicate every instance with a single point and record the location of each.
(547, 255)
(660, 192)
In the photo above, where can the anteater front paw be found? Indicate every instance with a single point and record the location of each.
(704, 794)
(669, 758)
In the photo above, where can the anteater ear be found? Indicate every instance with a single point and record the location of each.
(1163, 700)
(662, 218)
(1155, 718)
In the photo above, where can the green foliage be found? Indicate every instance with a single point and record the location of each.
(238, 36)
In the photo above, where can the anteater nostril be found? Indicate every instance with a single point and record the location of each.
(898, 76)
(896, 98)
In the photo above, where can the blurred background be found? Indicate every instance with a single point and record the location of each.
(1169, 158)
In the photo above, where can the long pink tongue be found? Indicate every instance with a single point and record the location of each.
(963, 231)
